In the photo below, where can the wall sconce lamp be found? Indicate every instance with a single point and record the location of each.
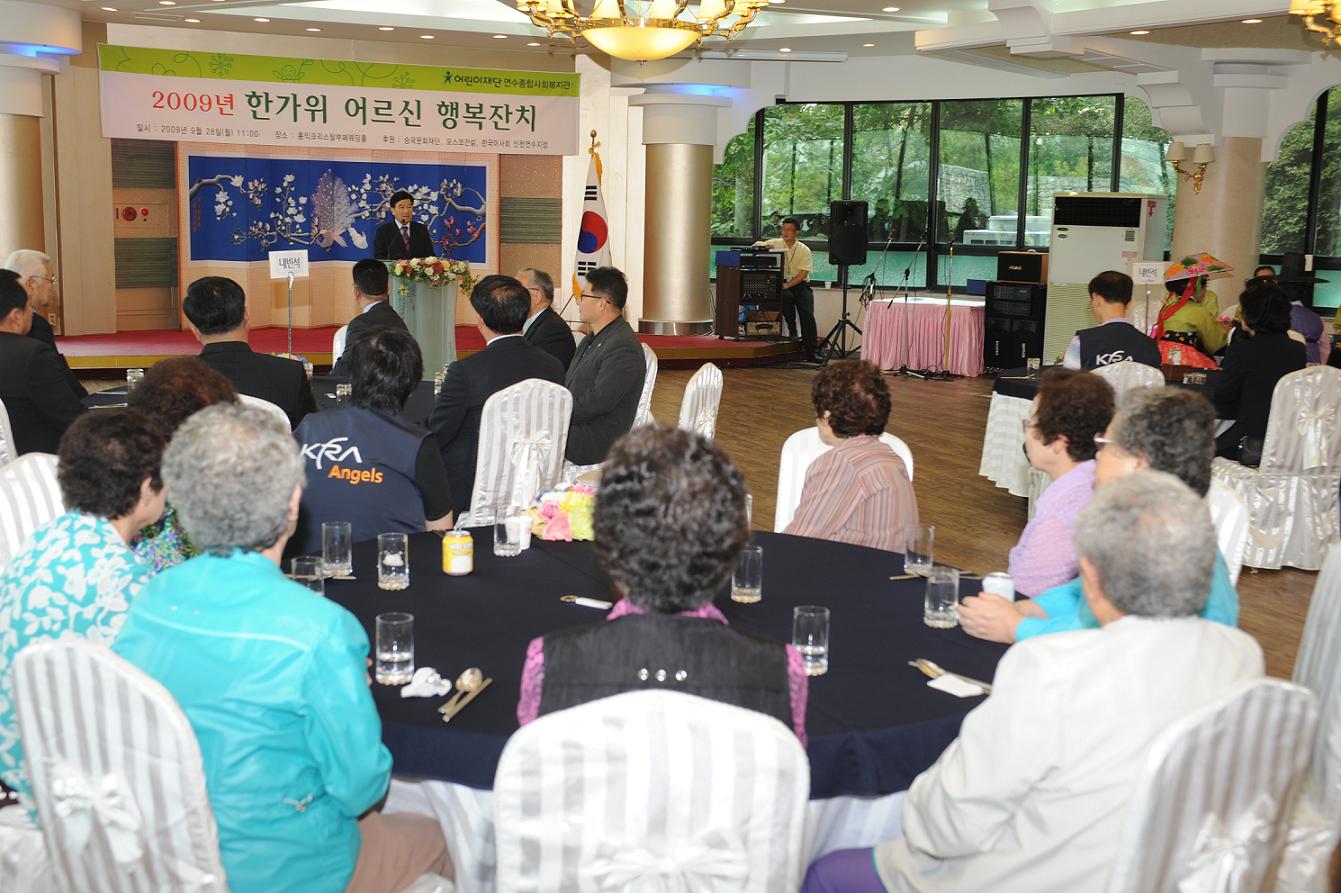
(1202, 155)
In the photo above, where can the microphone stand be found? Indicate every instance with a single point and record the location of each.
(904, 369)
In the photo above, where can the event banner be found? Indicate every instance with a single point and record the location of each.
(241, 209)
(269, 100)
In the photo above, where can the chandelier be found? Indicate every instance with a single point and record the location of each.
(1320, 16)
(642, 30)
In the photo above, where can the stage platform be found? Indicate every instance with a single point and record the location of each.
(93, 354)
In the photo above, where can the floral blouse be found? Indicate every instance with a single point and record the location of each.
(76, 577)
(164, 543)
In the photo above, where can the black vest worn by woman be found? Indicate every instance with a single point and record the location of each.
(697, 656)
(1116, 342)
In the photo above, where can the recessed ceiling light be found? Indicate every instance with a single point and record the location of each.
(868, 44)
(500, 37)
(426, 36)
(313, 29)
(109, 9)
(191, 21)
(890, 9)
(167, 2)
(1252, 21)
(386, 28)
(535, 43)
(784, 49)
(262, 21)
(1139, 33)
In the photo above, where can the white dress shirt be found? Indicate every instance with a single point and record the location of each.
(1032, 795)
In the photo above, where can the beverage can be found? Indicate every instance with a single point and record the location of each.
(458, 553)
(999, 583)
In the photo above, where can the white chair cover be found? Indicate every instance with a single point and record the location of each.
(29, 497)
(798, 451)
(578, 335)
(644, 416)
(258, 403)
(1316, 826)
(523, 426)
(116, 774)
(1209, 814)
(338, 343)
(651, 792)
(1128, 376)
(8, 453)
(702, 397)
(24, 865)
(1229, 514)
(1292, 497)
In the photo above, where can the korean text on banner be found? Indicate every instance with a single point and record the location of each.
(243, 100)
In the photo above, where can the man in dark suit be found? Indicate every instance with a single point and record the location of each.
(608, 369)
(544, 328)
(37, 275)
(216, 309)
(32, 378)
(402, 237)
(371, 288)
(501, 304)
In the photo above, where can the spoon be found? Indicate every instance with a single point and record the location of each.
(470, 696)
(468, 681)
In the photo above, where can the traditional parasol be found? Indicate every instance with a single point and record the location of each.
(1196, 265)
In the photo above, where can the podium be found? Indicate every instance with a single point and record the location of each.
(429, 312)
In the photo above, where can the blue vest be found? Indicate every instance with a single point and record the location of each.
(360, 468)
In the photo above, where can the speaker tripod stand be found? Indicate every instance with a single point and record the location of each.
(834, 346)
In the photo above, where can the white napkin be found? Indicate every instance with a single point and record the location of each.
(426, 683)
(955, 686)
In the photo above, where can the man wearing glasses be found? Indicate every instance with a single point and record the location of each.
(38, 279)
(607, 372)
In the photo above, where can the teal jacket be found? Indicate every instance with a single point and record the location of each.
(1068, 610)
(272, 679)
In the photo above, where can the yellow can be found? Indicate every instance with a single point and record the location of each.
(458, 553)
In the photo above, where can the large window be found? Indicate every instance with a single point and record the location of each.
(948, 184)
(803, 167)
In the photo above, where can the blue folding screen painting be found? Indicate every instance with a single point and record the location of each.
(243, 208)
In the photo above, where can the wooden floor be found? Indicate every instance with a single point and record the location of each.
(976, 523)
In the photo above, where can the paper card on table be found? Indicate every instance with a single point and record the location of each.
(955, 686)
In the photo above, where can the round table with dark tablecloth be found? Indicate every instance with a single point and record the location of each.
(872, 722)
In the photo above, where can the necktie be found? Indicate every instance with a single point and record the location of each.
(405, 234)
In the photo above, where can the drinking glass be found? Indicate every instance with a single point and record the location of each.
(747, 583)
(810, 636)
(393, 561)
(941, 609)
(511, 526)
(310, 571)
(343, 391)
(1033, 364)
(307, 368)
(438, 379)
(394, 662)
(337, 539)
(133, 379)
(920, 550)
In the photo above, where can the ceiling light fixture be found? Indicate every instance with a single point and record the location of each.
(313, 29)
(535, 43)
(262, 21)
(1139, 33)
(386, 28)
(1252, 21)
(868, 44)
(500, 37)
(784, 49)
(426, 36)
(109, 9)
(890, 9)
(1322, 17)
(191, 21)
(167, 2)
(642, 30)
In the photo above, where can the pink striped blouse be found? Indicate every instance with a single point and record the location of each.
(858, 492)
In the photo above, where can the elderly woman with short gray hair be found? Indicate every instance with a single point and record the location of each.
(1164, 429)
(271, 676)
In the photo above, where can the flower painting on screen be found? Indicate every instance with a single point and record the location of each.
(243, 208)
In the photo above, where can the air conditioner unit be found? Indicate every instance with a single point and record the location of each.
(1093, 232)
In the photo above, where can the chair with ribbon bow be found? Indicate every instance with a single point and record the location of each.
(1292, 496)
(116, 774)
(1128, 376)
(1229, 515)
(702, 397)
(29, 497)
(644, 416)
(338, 343)
(1210, 812)
(651, 792)
(523, 433)
(804, 447)
(265, 405)
(7, 451)
(1315, 827)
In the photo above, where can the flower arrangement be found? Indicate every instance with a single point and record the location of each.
(564, 513)
(435, 271)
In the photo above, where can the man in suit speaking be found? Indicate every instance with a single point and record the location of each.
(402, 237)
(371, 288)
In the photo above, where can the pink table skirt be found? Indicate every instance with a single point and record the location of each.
(883, 337)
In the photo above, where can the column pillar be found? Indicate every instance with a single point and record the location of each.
(1225, 218)
(679, 131)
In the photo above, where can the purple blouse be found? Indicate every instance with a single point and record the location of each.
(1045, 556)
(533, 673)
